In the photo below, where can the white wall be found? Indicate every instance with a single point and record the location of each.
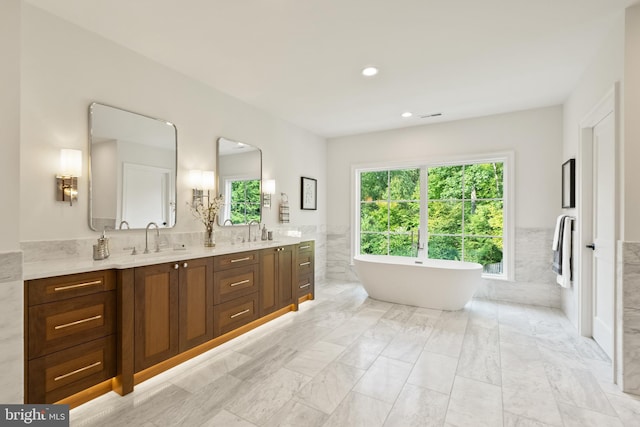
(11, 285)
(10, 123)
(534, 136)
(606, 69)
(631, 132)
(65, 68)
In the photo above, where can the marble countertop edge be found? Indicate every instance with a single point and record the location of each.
(124, 260)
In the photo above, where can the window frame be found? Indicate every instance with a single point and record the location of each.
(508, 233)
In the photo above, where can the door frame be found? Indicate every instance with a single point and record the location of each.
(609, 104)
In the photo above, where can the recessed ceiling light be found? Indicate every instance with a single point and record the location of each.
(407, 114)
(369, 71)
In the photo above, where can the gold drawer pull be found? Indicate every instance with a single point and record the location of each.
(305, 263)
(306, 285)
(77, 322)
(77, 371)
(233, 316)
(239, 283)
(241, 259)
(304, 247)
(79, 285)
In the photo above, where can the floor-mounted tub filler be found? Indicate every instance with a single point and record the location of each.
(430, 283)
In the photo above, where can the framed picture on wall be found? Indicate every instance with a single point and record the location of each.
(308, 196)
(569, 184)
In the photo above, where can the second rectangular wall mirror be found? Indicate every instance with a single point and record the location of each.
(239, 179)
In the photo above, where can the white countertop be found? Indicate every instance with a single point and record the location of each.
(123, 260)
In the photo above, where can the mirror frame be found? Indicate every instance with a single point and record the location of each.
(174, 177)
(218, 184)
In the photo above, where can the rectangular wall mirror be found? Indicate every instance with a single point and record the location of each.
(239, 180)
(132, 174)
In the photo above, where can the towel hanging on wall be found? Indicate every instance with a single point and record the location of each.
(563, 255)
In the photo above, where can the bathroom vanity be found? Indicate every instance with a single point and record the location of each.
(93, 327)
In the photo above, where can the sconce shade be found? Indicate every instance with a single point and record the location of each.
(195, 178)
(208, 180)
(269, 186)
(70, 162)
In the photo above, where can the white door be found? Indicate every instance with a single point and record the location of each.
(145, 195)
(604, 233)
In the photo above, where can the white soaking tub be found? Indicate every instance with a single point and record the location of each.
(430, 283)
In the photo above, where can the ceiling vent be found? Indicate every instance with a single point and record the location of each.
(428, 116)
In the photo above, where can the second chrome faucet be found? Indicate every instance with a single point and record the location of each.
(146, 237)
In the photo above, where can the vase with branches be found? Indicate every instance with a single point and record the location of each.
(207, 214)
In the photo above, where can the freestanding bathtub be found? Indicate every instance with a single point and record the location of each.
(430, 283)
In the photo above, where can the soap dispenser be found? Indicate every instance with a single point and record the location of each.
(101, 250)
(264, 232)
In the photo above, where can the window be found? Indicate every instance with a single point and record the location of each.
(390, 212)
(242, 200)
(452, 211)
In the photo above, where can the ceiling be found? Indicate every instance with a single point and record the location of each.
(301, 59)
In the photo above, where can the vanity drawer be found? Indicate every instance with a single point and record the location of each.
(235, 313)
(235, 282)
(74, 285)
(55, 326)
(224, 262)
(304, 285)
(305, 247)
(61, 374)
(304, 263)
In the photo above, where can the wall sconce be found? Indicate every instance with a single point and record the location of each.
(200, 181)
(268, 188)
(67, 179)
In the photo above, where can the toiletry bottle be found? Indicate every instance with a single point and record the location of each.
(101, 250)
(264, 232)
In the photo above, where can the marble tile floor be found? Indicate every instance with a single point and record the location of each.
(347, 360)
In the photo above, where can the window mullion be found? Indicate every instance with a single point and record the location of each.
(424, 210)
(462, 240)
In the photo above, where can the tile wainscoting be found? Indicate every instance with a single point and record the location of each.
(534, 281)
(629, 316)
(11, 328)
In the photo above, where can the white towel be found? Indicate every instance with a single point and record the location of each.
(564, 280)
(556, 233)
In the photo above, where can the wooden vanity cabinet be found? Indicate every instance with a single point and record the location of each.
(173, 309)
(70, 325)
(86, 333)
(305, 271)
(276, 278)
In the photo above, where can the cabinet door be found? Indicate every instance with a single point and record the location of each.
(276, 279)
(285, 276)
(156, 314)
(268, 281)
(196, 302)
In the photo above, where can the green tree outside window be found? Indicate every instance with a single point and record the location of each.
(463, 205)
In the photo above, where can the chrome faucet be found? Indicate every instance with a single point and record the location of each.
(227, 220)
(146, 238)
(253, 221)
(122, 224)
